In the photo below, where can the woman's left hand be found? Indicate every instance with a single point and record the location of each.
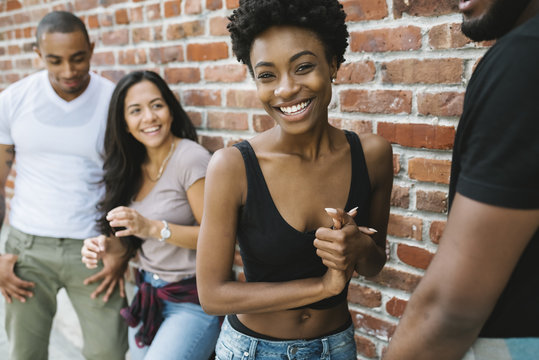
(132, 222)
(341, 247)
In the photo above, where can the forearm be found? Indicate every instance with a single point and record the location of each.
(371, 261)
(180, 235)
(233, 297)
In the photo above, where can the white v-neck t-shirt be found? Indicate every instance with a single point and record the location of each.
(58, 153)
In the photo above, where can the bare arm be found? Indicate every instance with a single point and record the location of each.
(478, 252)
(219, 293)
(10, 284)
(361, 249)
(180, 235)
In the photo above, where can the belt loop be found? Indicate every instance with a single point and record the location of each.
(325, 348)
(252, 349)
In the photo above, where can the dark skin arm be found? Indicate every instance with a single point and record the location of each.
(478, 251)
(360, 249)
(11, 285)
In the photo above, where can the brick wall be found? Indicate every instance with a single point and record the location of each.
(405, 76)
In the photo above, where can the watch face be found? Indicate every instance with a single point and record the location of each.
(165, 233)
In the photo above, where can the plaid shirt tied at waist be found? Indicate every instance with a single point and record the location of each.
(147, 306)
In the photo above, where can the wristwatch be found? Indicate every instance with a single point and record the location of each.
(165, 231)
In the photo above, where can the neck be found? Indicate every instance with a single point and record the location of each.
(309, 146)
(155, 156)
(531, 11)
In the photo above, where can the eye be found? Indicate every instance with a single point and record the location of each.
(304, 68)
(264, 75)
(134, 111)
(158, 106)
(55, 62)
(79, 59)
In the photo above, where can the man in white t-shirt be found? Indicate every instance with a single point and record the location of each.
(54, 120)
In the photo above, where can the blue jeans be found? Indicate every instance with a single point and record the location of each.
(187, 332)
(233, 345)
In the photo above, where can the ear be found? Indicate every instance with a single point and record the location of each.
(35, 48)
(92, 45)
(333, 67)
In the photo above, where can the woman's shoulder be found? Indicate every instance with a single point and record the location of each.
(374, 146)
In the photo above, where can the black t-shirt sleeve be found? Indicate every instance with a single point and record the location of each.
(500, 142)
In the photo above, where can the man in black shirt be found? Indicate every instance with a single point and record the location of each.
(484, 280)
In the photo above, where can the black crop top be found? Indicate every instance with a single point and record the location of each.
(271, 249)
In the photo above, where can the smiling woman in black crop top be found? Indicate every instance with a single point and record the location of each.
(288, 195)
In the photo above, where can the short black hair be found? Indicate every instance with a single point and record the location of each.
(326, 18)
(62, 22)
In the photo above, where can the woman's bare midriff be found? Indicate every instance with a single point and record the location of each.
(297, 324)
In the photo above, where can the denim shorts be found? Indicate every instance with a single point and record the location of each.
(234, 345)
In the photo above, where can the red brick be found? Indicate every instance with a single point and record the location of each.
(121, 16)
(359, 10)
(92, 22)
(381, 40)
(359, 126)
(365, 347)
(113, 75)
(218, 26)
(153, 12)
(106, 19)
(436, 231)
(136, 14)
(372, 326)
(225, 73)
(396, 164)
(6, 65)
(12, 5)
(202, 97)
(435, 201)
(356, 73)
(207, 52)
(232, 4)
(414, 256)
(424, 7)
(243, 99)
(440, 104)
(228, 121)
(186, 29)
(405, 227)
(23, 64)
(395, 307)
(213, 143)
(141, 34)
(214, 4)
(193, 6)
(132, 57)
(116, 37)
(430, 71)
(106, 3)
(364, 296)
(400, 197)
(238, 261)
(418, 135)
(262, 123)
(376, 101)
(396, 279)
(13, 49)
(336, 122)
(82, 5)
(429, 170)
(103, 58)
(447, 36)
(173, 8)
(167, 54)
(182, 75)
(196, 118)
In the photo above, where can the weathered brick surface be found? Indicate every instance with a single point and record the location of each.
(404, 79)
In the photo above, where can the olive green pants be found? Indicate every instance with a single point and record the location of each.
(52, 264)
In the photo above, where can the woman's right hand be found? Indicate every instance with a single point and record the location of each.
(334, 281)
(93, 250)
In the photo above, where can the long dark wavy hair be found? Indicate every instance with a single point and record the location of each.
(124, 154)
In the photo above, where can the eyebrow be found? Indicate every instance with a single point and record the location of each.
(78, 53)
(292, 59)
(151, 101)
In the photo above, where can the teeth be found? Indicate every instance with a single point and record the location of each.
(152, 129)
(294, 108)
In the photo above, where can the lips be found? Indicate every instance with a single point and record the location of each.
(466, 5)
(295, 109)
(151, 130)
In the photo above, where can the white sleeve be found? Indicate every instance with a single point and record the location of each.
(5, 118)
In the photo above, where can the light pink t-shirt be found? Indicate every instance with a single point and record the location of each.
(168, 201)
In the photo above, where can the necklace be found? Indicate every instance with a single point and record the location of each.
(162, 168)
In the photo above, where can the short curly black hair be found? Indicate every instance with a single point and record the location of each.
(326, 18)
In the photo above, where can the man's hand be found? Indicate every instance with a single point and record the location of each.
(113, 254)
(11, 285)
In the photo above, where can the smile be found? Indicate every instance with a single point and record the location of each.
(295, 109)
(151, 130)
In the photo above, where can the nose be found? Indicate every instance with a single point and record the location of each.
(287, 87)
(147, 114)
(68, 70)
